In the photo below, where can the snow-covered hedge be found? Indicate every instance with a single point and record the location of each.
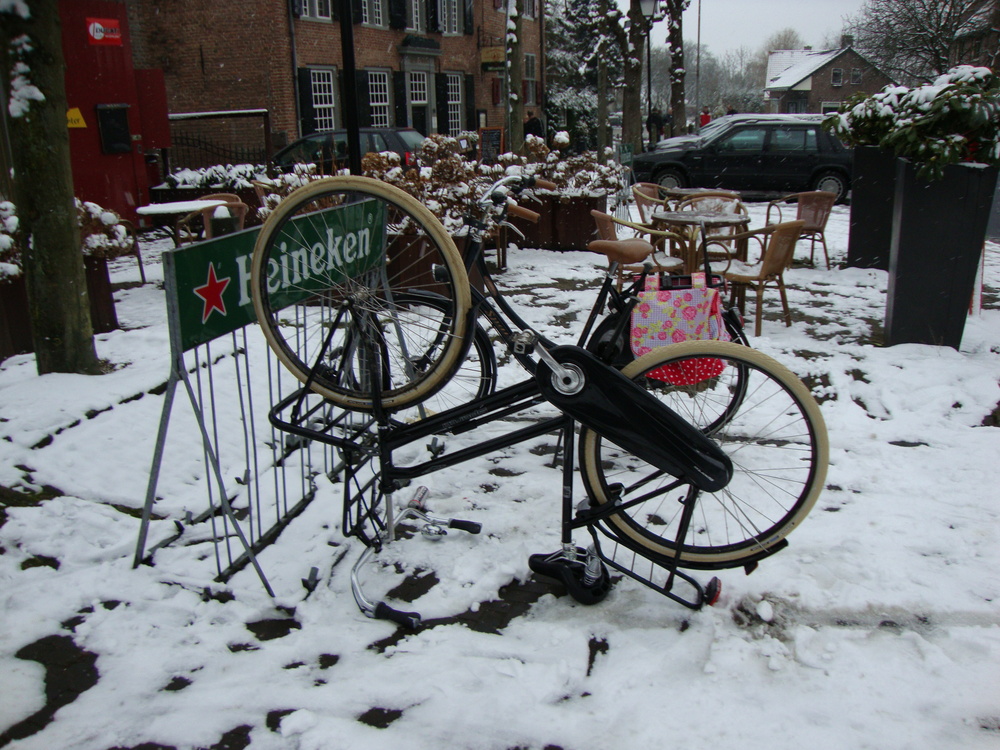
(102, 235)
(954, 119)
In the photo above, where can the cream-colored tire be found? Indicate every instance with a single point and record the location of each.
(761, 415)
(327, 266)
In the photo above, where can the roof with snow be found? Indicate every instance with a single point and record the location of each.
(789, 67)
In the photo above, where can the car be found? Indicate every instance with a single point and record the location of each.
(752, 153)
(328, 149)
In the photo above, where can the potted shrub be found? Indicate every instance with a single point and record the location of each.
(190, 184)
(103, 237)
(944, 142)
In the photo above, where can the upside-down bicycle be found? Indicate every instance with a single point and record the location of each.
(364, 297)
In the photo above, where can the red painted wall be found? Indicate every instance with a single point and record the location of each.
(106, 138)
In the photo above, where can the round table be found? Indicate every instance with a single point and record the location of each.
(691, 224)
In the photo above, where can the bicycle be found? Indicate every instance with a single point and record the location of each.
(365, 298)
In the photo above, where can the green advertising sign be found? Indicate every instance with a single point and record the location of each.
(208, 283)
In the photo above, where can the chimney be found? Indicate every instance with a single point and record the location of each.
(846, 40)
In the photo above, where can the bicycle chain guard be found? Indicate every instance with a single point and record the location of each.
(621, 411)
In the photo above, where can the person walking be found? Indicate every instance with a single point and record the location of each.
(654, 126)
(533, 126)
(705, 117)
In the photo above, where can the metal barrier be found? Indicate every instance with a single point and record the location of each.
(256, 479)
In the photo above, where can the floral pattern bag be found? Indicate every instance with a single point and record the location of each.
(682, 313)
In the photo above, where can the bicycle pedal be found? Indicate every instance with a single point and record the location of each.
(524, 342)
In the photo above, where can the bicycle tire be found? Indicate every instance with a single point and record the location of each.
(327, 267)
(776, 439)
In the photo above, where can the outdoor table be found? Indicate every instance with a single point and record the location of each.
(177, 208)
(691, 224)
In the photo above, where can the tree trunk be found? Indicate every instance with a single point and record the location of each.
(43, 192)
(603, 126)
(675, 39)
(632, 119)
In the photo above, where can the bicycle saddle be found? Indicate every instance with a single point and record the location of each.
(627, 252)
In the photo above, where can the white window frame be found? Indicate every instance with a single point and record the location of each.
(323, 89)
(837, 77)
(448, 15)
(530, 9)
(317, 9)
(456, 87)
(372, 13)
(379, 98)
(417, 84)
(414, 21)
(530, 80)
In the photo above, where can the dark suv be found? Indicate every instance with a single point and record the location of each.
(328, 150)
(752, 154)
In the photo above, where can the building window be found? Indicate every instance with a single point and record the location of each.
(371, 13)
(315, 8)
(418, 88)
(530, 9)
(855, 76)
(414, 19)
(378, 98)
(530, 79)
(323, 99)
(454, 103)
(837, 77)
(448, 13)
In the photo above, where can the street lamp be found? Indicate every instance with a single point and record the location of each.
(652, 12)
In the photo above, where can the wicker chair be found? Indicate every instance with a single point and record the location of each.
(725, 202)
(813, 208)
(191, 228)
(648, 198)
(607, 230)
(129, 227)
(778, 247)
(224, 219)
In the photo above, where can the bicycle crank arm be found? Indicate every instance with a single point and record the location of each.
(601, 398)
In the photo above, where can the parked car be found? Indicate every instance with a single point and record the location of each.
(328, 149)
(752, 153)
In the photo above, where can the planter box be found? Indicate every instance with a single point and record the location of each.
(563, 224)
(15, 320)
(873, 188)
(938, 232)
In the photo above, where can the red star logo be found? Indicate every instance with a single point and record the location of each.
(211, 292)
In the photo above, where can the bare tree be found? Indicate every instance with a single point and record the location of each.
(910, 40)
(675, 42)
(31, 71)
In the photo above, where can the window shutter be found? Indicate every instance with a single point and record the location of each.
(307, 115)
(358, 15)
(470, 102)
(399, 98)
(433, 23)
(469, 18)
(397, 14)
(497, 91)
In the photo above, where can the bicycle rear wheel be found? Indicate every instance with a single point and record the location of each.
(773, 432)
(329, 267)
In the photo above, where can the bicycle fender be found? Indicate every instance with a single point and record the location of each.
(623, 412)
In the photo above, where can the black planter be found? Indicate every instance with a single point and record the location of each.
(938, 231)
(873, 187)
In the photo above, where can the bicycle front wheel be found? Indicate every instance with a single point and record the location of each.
(761, 415)
(333, 276)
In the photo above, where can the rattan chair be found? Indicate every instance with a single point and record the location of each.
(649, 198)
(724, 202)
(224, 219)
(814, 209)
(778, 246)
(190, 227)
(607, 230)
(129, 227)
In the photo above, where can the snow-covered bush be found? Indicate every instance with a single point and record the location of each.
(102, 235)
(229, 176)
(954, 119)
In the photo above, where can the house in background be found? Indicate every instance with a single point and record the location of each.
(804, 80)
(435, 65)
(978, 40)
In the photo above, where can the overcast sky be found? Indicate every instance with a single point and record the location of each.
(729, 24)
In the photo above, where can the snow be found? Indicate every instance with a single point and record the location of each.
(878, 627)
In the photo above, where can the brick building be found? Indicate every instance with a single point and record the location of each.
(819, 82)
(435, 65)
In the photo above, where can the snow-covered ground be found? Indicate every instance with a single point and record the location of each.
(878, 627)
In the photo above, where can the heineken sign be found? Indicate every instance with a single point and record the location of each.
(208, 283)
